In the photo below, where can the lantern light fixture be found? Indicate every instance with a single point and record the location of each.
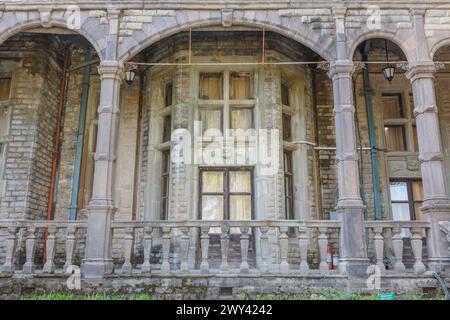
(130, 74)
(389, 70)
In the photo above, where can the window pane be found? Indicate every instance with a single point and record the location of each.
(212, 181)
(240, 207)
(240, 181)
(167, 128)
(287, 161)
(395, 138)
(392, 106)
(399, 191)
(415, 141)
(210, 86)
(3, 122)
(287, 128)
(241, 86)
(241, 118)
(5, 86)
(168, 94)
(211, 119)
(417, 190)
(285, 94)
(400, 211)
(212, 207)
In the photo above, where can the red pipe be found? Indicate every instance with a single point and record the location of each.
(57, 144)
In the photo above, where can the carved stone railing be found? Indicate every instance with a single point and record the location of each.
(265, 234)
(31, 232)
(417, 231)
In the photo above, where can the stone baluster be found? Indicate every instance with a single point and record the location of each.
(184, 267)
(50, 249)
(397, 242)
(204, 241)
(284, 243)
(416, 244)
(323, 244)
(378, 243)
(224, 243)
(70, 247)
(264, 241)
(303, 248)
(128, 240)
(30, 247)
(165, 265)
(146, 266)
(11, 243)
(245, 236)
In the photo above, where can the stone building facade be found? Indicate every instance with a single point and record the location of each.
(360, 166)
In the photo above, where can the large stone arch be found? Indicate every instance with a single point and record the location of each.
(91, 29)
(319, 40)
(439, 44)
(405, 41)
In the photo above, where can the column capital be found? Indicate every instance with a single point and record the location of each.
(341, 68)
(111, 69)
(419, 70)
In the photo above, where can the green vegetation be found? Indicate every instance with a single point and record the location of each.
(315, 296)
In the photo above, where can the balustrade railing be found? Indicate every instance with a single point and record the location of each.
(35, 232)
(399, 231)
(258, 246)
(197, 235)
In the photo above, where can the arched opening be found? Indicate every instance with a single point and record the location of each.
(390, 175)
(48, 102)
(211, 83)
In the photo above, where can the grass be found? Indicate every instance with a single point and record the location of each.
(96, 296)
(315, 296)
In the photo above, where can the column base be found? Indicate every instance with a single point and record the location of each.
(437, 212)
(96, 268)
(354, 267)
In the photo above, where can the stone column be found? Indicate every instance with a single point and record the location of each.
(436, 205)
(353, 254)
(98, 259)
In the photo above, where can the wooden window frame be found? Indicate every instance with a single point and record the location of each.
(405, 142)
(289, 174)
(165, 180)
(411, 201)
(226, 193)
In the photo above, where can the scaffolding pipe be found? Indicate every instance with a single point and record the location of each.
(80, 138)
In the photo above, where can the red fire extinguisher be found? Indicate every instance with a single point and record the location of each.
(330, 257)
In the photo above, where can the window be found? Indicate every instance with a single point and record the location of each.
(226, 194)
(287, 127)
(399, 126)
(395, 138)
(168, 94)
(165, 170)
(3, 133)
(226, 100)
(5, 88)
(167, 127)
(288, 185)
(285, 94)
(406, 199)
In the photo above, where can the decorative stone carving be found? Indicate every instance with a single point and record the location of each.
(413, 164)
(227, 17)
(46, 17)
